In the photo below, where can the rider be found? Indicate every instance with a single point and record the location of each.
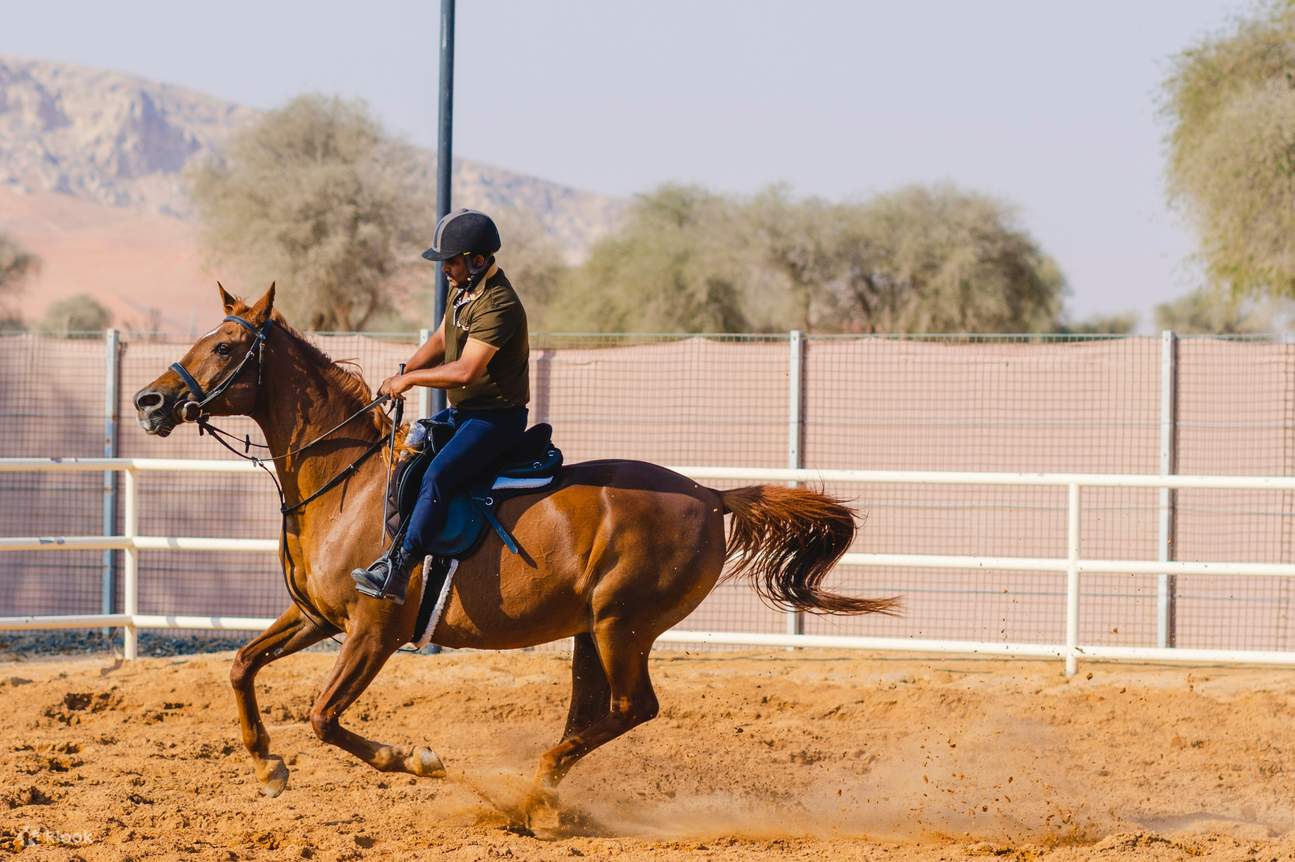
(480, 356)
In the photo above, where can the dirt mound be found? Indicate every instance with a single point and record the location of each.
(797, 755)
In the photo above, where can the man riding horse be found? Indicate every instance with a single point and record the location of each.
(480, 356)
(612, 554)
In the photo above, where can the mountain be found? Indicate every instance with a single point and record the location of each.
(119, 144)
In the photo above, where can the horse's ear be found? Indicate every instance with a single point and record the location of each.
(226, 299)
(264, 305)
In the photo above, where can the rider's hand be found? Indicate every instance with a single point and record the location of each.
(394, 386)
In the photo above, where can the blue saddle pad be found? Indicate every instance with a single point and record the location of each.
(531, 466)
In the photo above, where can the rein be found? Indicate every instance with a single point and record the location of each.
(205, 426)
(193, 411)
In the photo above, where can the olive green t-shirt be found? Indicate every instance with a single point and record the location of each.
(493, 313)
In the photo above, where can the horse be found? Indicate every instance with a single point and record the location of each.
(612, 555)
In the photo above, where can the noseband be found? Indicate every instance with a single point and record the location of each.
(202, 398)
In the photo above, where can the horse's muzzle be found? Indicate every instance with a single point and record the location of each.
(155, 415)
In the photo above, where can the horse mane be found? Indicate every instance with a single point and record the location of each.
(349, 379)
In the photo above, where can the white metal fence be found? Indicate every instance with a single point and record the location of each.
(1072, 564)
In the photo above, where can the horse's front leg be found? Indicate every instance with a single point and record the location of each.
(290, 633)
(358, 662)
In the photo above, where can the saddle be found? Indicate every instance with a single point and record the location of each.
(534, 463)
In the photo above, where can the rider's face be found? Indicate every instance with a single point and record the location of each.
(456, 270)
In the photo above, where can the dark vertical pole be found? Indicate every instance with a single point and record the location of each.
(444, 154)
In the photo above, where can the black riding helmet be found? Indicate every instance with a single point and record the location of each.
(464, 232)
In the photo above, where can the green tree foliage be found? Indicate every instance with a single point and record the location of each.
(17, 265)
(941, 259)
(318, 197)
(1212, 311)
(1102, 324)
(670, 268)
(922, 259)
(1230, 102)
(80, 315)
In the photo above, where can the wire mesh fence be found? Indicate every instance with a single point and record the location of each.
(1029, 403)
(52, 391)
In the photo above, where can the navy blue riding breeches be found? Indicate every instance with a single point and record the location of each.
(481, 438)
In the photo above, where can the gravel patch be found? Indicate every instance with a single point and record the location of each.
(15, 646)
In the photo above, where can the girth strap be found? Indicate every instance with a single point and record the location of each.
(487, 507)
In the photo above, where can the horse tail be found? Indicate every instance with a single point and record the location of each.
(786, 540)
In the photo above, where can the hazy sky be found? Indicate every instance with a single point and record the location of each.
(1049, 105)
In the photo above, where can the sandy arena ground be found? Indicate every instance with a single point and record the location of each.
(804, 755)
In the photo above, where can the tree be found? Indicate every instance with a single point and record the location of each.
(668, 269)
(76, 316)
(921, 259)
(941, 259)
(317, 196)
(17, 265)
(1123, 323)
(799, 249)
(1212, 311)
(1230, 102)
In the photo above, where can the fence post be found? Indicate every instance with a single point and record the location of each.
(130, 591)
(795, 428)
(424, 392)
(1166, 585)
(1072, 579)
(111, 408)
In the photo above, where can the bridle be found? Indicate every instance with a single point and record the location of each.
(192, 411)
(201, 398)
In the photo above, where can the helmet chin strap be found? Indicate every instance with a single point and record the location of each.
(475, 273)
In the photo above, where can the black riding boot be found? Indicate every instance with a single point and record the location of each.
(388, 577)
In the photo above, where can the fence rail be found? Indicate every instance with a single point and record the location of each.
(1072, 564)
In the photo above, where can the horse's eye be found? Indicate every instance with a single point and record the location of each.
(223, 349)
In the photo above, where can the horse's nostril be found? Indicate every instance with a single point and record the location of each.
(148, 400)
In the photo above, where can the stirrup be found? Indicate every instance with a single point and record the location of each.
(364, 584)
(382, 579)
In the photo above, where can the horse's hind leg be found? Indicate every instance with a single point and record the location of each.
(624, 658)
(591, 693)
(290, 633)
(360, 660)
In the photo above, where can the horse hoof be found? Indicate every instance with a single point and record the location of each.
(542, 798)
(540, 804)
(424, 763)
(277, 781)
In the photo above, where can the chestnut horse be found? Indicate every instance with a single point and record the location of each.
(613, 554)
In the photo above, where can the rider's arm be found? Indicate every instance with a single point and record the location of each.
(430, 352)
(462, 371)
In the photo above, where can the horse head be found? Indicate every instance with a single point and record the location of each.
(218, 376)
